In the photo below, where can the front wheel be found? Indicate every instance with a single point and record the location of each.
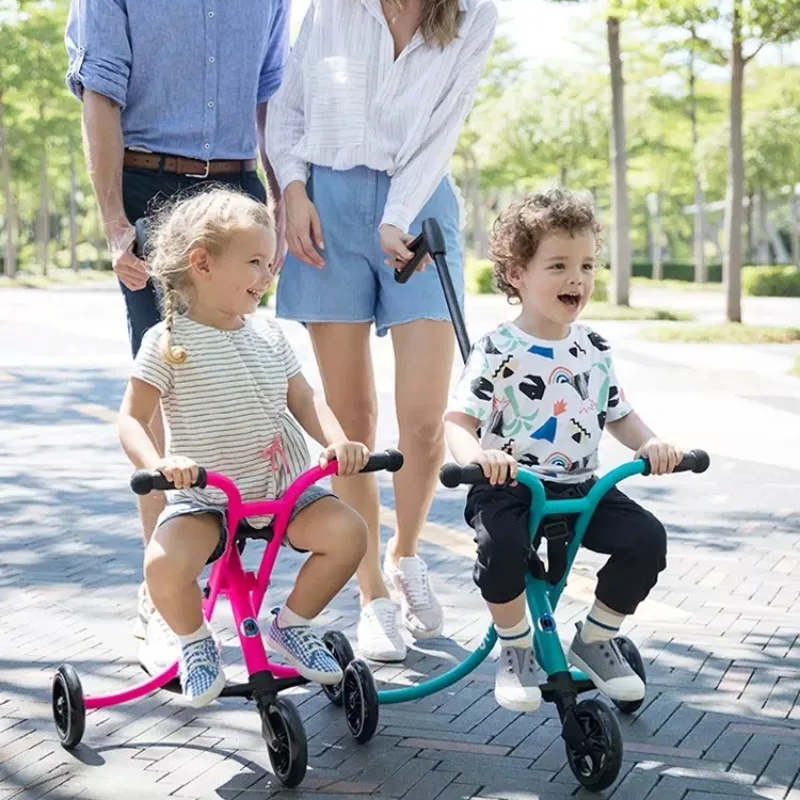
(631, 654)
(69, 710)
(360, 701)
(341, 649)
(288, 748)
(593, 741)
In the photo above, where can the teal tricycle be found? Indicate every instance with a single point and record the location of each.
(591, 732)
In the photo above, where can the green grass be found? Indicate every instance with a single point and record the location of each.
(608, 311)
(725, 333)
(681, 286)
(55, 276)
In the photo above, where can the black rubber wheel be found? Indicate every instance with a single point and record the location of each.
(598, 767)
(288, 754)
(361, 707)
(342, 651)
(631, 654)
(69, 711)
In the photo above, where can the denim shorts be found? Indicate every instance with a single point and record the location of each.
(184, 508)
(356, 285)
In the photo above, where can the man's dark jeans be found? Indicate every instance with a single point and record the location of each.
(143, 190)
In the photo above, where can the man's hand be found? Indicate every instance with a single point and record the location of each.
(498, 466)
(663, 457)
(351, 457)
(303, 228)
(130, 270)
(394, 243)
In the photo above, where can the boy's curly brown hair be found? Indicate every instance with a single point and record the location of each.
(520, 229)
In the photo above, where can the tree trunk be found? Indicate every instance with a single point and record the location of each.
(619, 293)
(10, 217)
(657, 273)
(732, 255)
(480, 238)
(700, 270)
(73, 211)
(43, 233)
(564, 174)
(794, 208)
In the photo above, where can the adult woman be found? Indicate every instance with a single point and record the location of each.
(361, 134)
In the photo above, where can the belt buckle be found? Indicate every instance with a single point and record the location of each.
(197, 175)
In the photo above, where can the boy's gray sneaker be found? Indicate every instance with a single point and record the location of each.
(516, 685)
(606, 666)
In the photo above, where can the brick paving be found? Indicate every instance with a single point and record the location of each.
(719, 634)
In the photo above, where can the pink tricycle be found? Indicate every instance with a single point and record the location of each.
(281, 725)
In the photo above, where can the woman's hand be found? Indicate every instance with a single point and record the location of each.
(394, 243)
(303, 228)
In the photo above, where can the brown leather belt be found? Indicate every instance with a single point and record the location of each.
(191, 167)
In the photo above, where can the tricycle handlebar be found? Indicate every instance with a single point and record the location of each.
(452, 475)
(145, 481)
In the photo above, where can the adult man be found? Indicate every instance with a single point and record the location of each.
(174, 96)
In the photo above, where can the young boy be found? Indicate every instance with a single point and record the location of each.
(542, 389)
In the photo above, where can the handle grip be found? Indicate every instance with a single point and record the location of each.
(144, 481)
(452, 475)
(389, 460)
(694, 461)
(419, 249)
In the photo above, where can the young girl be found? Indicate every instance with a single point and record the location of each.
(542, 389)
(361, 134)
(228, 384)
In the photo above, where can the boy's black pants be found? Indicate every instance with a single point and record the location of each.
(619, 527)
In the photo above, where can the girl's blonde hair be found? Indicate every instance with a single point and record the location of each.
(438, 21)
(206, 219)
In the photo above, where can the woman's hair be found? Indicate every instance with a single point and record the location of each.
(438, 21)
(205, 219)
(520, 229)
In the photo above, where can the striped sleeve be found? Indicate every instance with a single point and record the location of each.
(150, 366)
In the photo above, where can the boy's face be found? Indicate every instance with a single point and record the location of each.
(558, 281)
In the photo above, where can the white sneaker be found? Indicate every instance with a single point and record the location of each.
(161, 648)
(378, 637)
(422, 613)
(144, 609)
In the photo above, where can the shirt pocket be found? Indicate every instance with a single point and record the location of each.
(337, 102)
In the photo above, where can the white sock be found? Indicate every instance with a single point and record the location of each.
(518, 635)
(201, 633)
(601, 624)
(288, 619)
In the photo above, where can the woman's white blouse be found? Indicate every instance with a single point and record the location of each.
(344, 101)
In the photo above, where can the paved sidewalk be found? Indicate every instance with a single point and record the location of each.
(719, 634)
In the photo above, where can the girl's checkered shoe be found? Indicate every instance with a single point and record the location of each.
(305, 651)
(201, 674)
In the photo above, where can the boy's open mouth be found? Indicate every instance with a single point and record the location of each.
(570, 299)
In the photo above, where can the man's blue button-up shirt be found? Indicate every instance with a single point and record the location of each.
(187, 74)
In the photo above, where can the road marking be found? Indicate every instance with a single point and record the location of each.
(103, 413)
(579, 587)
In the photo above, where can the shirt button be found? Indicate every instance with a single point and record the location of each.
(207, 146)
(211, 59)
(210, 104)
(210, 14)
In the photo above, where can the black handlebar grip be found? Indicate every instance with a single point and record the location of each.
(417, 247)
(452, 475)
(389, 460)
(434, 237)
(694, 461)
(144, 481)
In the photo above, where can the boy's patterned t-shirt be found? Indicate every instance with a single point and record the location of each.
(543, 402)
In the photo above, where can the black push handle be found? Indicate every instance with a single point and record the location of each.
(144, 481)
(693, 461)
(418, 248)
(452, 475)
(140, 242)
